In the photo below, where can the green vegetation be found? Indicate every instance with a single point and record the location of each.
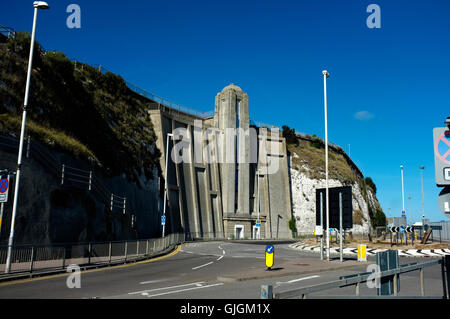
(314, 159)
(289, 135)
(378, 218)
(292, 226)
(358, 217)
(371, 184)
(310, 160)
(77, 109)
(62, 142)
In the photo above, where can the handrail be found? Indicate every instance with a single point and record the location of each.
(149, 95)
(7, 32)
(52, 164)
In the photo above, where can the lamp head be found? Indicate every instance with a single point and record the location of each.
(325, 72)
(41, 5)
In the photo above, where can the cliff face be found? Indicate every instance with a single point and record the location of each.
(304, 202)
(53, 212)
(88, 119)
(307, 171)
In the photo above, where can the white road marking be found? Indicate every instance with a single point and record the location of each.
(152, 281)
(297, 280)
(220, 258)
(187, 289)
(162, 288)
(202, 265)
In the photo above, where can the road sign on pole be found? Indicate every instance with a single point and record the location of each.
(444, 201)
(4, 188)
(163, 220)
(441, 143)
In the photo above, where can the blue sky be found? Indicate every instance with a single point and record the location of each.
(388, 87)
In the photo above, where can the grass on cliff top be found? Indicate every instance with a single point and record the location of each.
(47, 136)
(73, 99)
(314, 159)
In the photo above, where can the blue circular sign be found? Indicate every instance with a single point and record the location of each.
(269, 249)
(4, 184)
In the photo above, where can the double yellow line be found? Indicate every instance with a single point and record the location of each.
(8, 283)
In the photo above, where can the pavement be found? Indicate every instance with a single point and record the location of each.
(290, 267)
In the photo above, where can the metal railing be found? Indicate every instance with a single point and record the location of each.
(30, 259)
(358, 279)
(67, 175)
(7, 32)
(149, 95)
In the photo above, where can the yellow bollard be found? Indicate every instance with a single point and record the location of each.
(362, 252)
(269, 256)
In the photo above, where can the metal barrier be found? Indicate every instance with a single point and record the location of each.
(358, 279)
(34, 258)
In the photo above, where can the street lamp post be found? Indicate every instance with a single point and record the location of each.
(37, 5)
(403, 193)
(258, 231)
(423, 204)
(325, 76)
(410, 210)
(169, 135)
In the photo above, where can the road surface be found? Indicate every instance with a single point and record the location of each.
(214, 270)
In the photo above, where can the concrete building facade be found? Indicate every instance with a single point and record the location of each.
(226, 177)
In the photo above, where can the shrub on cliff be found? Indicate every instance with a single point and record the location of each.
(95, 109)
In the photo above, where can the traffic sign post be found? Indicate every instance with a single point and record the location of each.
(441, 145)
(444, 201)
(441, 141)
(4, 190)
(388, 260)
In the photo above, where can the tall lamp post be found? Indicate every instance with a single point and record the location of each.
(258, 234)
(403, 193)
(423, 205)
(169, 135)
(325, 76)
(37, 5)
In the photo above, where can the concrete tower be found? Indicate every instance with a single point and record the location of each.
(232, 118)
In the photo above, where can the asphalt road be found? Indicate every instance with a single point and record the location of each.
(212, 270)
